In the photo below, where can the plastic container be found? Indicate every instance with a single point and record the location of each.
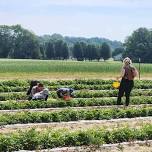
(66, 98)
(116, 84)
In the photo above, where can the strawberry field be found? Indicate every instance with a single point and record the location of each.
(90, 119)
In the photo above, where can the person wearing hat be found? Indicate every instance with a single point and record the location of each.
(128, 73)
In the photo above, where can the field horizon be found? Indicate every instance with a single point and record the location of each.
(57, 69)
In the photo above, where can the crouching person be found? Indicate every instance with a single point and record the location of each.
(29, 91)
(42, 95)
(65, 93)
(37, 91)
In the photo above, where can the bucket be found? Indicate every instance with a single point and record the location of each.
(66, 98)
(116, 84)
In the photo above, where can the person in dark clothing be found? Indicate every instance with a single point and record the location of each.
(32, 84)
(128, 73)
(61, 92)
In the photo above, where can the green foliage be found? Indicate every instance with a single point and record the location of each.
(117, 51)
(86, 95)
(78, 52)
(77, 94)
(72, 115)
(51, 103)
(20, 43)
(105, 51)
(50, 50)
(138, 45)
(40, 67)
(92, 52)
(34, 140)
(12, 90)
(6, 41)
(12, 96)
(92, 41)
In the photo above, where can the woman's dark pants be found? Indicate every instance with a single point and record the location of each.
(125, 87)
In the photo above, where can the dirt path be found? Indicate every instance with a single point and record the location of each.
(137, 146)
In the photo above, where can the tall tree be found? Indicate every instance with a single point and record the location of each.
(42, 51)
(118, 51)
(92, 52)
(50, 50)
(25, 44)
(84, 50)
(78, 51)
(139, 45)
(105, 51)
(58, 49)
(16, 42)
(6, 41)
(65, 51)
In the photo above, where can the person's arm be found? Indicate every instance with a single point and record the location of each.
(122, 74)
(33, 91)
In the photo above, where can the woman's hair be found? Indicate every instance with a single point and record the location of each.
(32, 84)
(40, 85)
(127, 61)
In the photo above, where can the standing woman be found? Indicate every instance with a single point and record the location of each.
(128, 73)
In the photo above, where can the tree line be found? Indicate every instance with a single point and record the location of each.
(19, 43)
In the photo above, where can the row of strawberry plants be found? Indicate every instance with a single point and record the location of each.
(35, 140)
(13, 96)
(13, 89)
(110, 93)
(55, 87)
(98, 87)
(52, 83)
(72, 103)
(73, 115)
(74, 86)
(77, 94)
(14, 83)
(21, 85)
(25, 83)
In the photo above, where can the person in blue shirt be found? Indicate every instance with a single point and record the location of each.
(61, 92)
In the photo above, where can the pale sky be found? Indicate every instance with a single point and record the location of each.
(112, 19)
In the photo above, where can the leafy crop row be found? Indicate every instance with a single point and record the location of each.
(77, 94)
(34, 140)
(25, 83)
(6, 88)
(73, 115)
(51, 103)
(12, 96)
(109, 93)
